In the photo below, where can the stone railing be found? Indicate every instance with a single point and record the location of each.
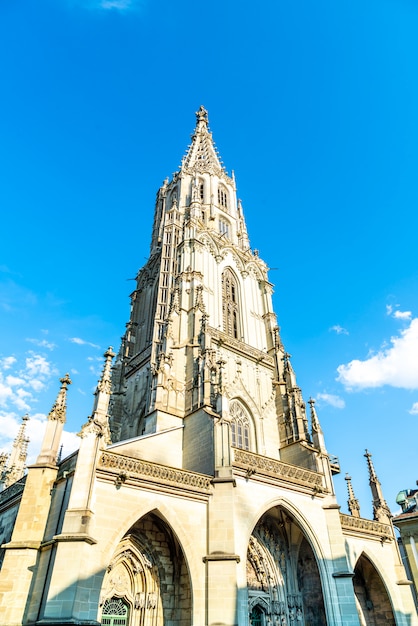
(366, 526)
(138, 359)
(255, 463)
(126, 467)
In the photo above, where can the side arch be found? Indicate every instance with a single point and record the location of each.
(373, 598)
(149, 573)
(285, 538)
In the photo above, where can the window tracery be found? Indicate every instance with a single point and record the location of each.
(240, 426)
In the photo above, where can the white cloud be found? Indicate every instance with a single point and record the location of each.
(82, 342)
(395, 365)
(331, 399)
(7, 362)
(339, 330)
(414, 409)
(402, 315)
(18, 383)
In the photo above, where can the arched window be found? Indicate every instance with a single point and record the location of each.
(240, 426)
(222, 197)
(114, 613)
(201, 191)
(230, 304)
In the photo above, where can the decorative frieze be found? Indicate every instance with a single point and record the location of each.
(287, 472)
(163, 474)
(366, 527)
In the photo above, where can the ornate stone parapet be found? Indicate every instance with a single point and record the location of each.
(125, 467)
(285, 472)
(239, 346)
(361, 526)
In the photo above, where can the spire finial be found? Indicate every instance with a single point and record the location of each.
(353, 503)
(381, 511)
(201, 118)
(314, 417)
(58, 411)
(104, 384)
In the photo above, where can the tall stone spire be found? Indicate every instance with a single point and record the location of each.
(353, 503)
(381, 511)
(317, 434)
(15, 465)
(55, 425)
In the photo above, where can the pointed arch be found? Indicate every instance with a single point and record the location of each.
(150, 574)
(290, 544)
(372, 597)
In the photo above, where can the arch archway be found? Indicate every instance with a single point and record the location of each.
(148, 574)
(283, 575)
(372, 599)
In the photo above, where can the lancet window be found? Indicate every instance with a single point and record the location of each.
(230, 304)
(240, 426)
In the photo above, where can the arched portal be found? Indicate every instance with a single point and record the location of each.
(148, 575)
(372, 599)
(283, 578)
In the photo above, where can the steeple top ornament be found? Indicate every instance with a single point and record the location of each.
(201, 118)
(58, 411)
(105, 382)
(202, 155)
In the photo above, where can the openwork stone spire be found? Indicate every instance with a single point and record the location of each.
(202, 155)
(15, 465)
(381, 511)
(353, 503)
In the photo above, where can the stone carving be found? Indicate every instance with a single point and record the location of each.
(284, 471)
(154, 472)
(365, 526)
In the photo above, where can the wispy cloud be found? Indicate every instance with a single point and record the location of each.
(42, 343)
(414, 409)
(328, 398)
(395, 364)
(117, 5)
(339, 330)
(82, 342)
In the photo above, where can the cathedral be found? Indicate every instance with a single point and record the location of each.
(202, 492)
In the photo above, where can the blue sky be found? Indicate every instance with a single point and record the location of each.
(313, 105)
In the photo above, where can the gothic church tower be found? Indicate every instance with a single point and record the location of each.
(202, 342)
